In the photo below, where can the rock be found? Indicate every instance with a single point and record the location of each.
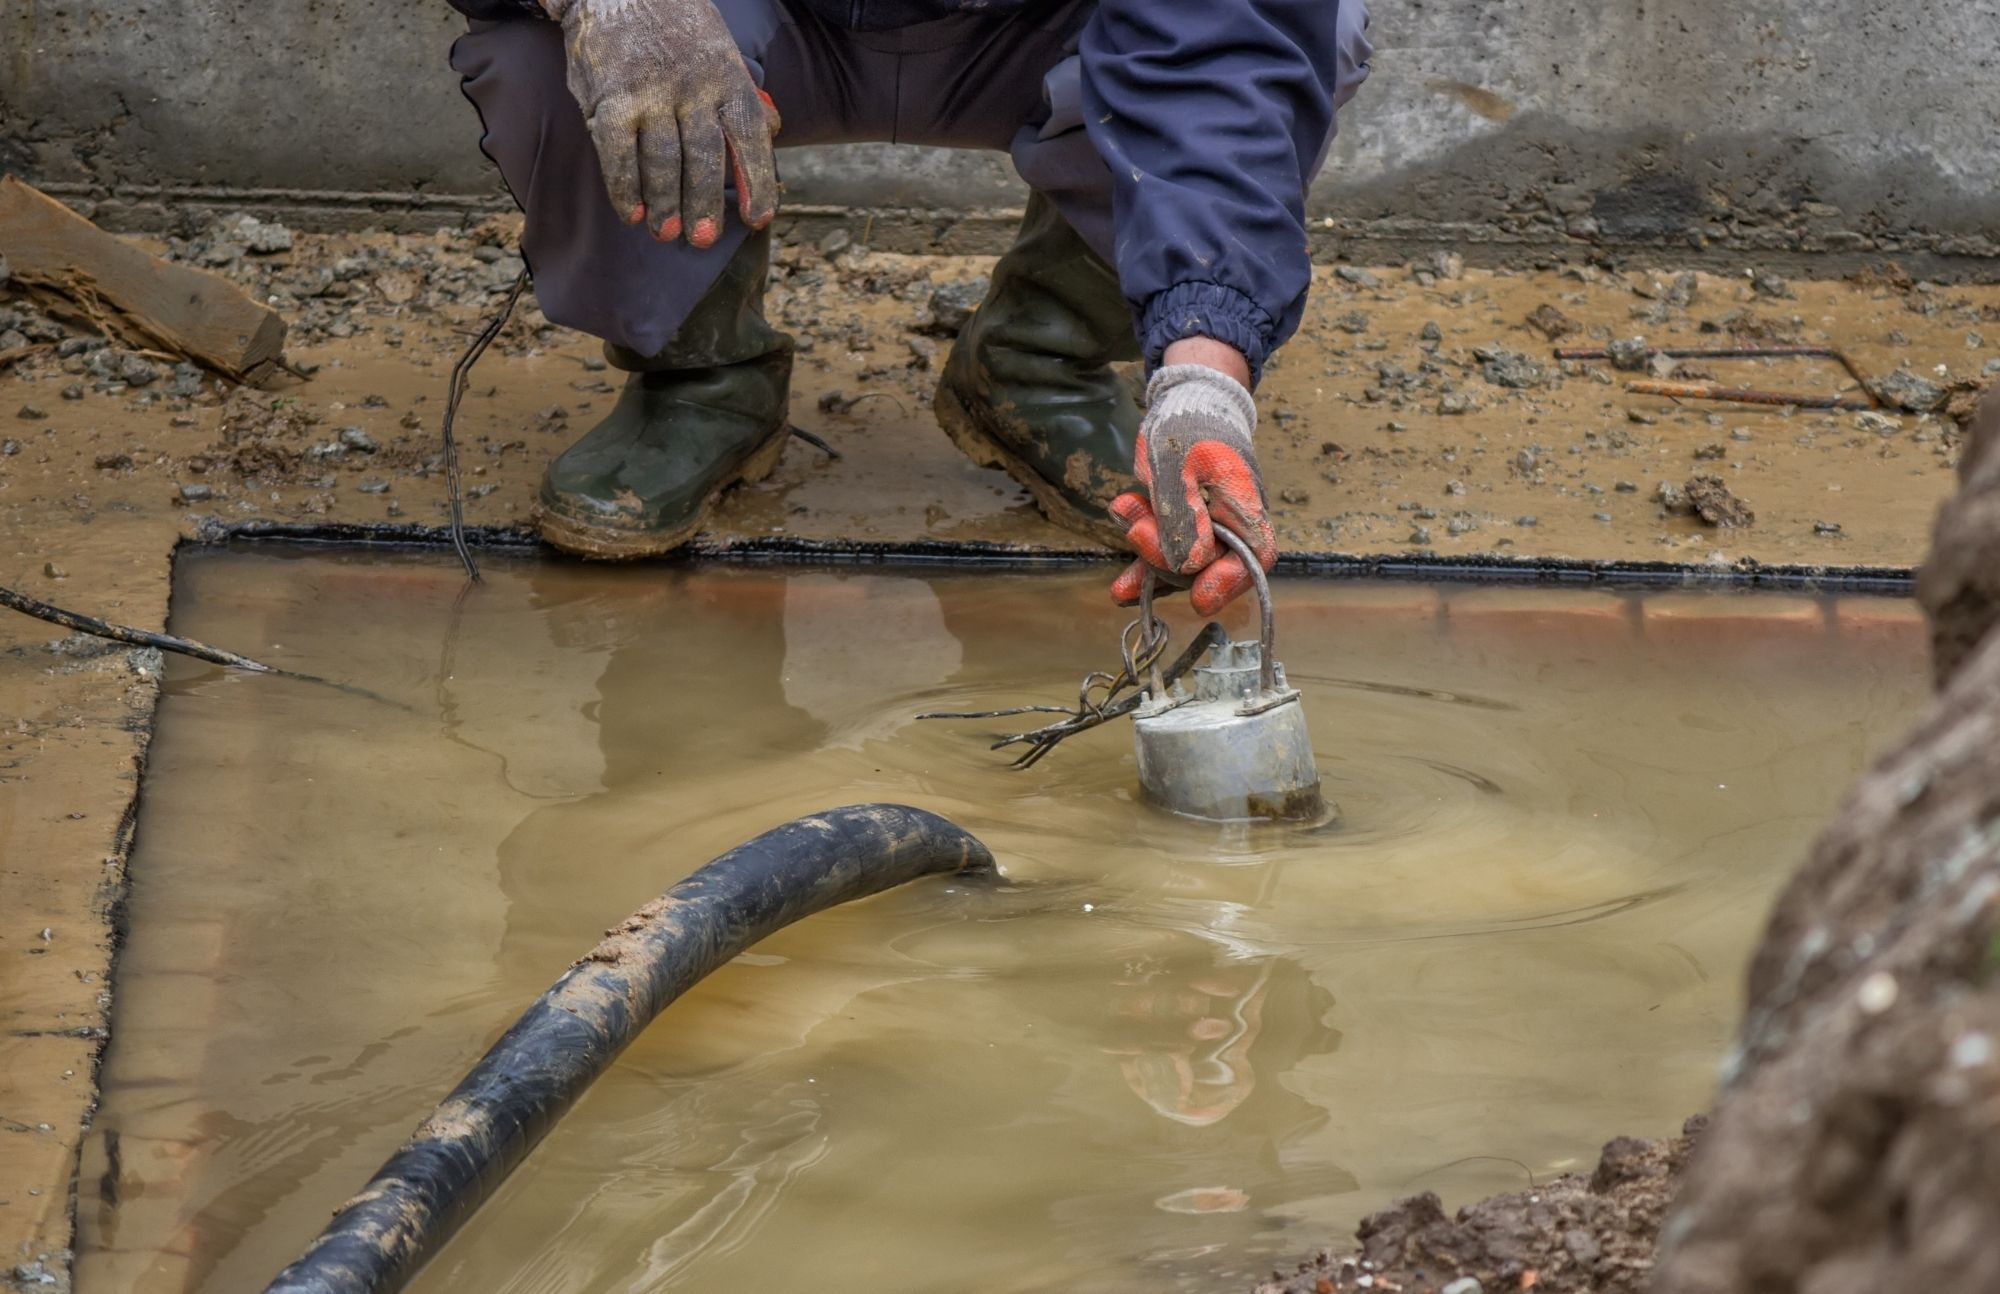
(1551, 322)
(836, 241)
(1686, 286)
(1453, 403)
(74, 391)
(5, 272)
(54, 571)
(1527, 521)
(1509, 369)
(1419, 535)
(1766, 284)
(1826, 527)
(1627, 487)
(1674, 499)
(356, 438)
(1524, 462)
(1711, 498)
(1904, 390)
(1464, 1285)
(196, 493)
(951, 305)
(112, 462)
(397, 287)
(1445, 265)
(923, 351)
(1628, 354)
(9, 447)
(114, 365)
(1359, 278)
(1294, 496)
(260, 237)
(1430, 332)
(31, 413)
(373, 485)
(1709, 453)
(1354, 321)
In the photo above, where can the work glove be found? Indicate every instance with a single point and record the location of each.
(669, 102)
(1198, 469)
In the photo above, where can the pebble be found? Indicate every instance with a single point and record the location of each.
(374, 485)
(952, 305)
(1359, 278)
(356, 438)
(1431, 332)
(1464, 1285)
(836, 241)
(1419, 535)
(1877, 993)
(594, 364)
(1600, 516)
(1525, 461)
(1739, 433)
(9, 448)
(1628, 354)
(1452, 403)
(1527, 521)
(32, 413)
(196, 492)
(1627, 487)
(74, 391)
(54, 571)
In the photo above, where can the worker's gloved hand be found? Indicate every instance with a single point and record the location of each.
(1196, 463)
(670, 104)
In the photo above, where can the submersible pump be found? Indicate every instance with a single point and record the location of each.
(1233, 746)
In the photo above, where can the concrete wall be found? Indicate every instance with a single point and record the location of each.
(1509, 127)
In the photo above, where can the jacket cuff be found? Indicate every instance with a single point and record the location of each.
(1206, 310)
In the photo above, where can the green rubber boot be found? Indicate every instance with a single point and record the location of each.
(1029, 386)
(706, 413)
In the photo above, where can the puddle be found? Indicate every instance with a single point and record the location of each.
(1168, 1057)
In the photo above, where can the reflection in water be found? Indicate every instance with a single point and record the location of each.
(1165, 1055)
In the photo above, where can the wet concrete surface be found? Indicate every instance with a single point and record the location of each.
(100, 476)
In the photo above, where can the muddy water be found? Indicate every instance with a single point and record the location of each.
(1165, 1057)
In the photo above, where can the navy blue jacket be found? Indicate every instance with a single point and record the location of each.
(1213, 116)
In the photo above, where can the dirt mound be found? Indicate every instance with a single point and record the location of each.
(1575, 1234)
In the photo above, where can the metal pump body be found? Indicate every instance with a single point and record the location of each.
(1235, 746)
(1231, 748)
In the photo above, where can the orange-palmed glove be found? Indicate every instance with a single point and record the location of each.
(671, 107)
(1198, 469)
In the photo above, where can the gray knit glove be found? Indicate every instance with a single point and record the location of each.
(1199, 471)
(670, 105)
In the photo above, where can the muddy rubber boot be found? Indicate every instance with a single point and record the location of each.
(706, 413)
(1029, 386)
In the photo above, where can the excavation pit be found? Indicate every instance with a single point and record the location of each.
(1167, 1056)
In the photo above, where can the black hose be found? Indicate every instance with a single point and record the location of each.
(518, 1090)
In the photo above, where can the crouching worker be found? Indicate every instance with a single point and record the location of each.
(1167, 147)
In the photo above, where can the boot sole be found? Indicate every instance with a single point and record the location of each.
(593, 540)
(976, 444)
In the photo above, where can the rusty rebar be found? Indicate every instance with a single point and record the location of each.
(1746, 395)
(1708, 391)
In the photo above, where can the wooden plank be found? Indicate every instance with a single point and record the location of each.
(127, 292)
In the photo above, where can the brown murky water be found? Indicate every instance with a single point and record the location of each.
(1167, 1057)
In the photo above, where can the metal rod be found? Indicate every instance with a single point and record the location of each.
(1267, 672)
(1784, 350)
(1746, 395)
